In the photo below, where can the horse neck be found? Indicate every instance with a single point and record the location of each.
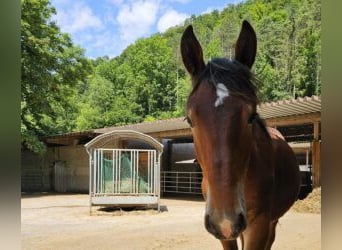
(262, 149)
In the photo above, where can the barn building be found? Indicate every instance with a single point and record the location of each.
(65, 165)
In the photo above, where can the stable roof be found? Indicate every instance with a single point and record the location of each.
(266, 110)
(286, 112)
(292, 107)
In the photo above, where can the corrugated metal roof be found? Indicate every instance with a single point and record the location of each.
(283, 108)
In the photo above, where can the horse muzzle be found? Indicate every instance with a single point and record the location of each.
(226, 229)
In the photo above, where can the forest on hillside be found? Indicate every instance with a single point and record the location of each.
(63, 91)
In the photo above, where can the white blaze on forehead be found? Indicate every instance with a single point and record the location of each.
(221, 92)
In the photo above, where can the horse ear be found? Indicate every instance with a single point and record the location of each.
(191, 51)
(246, 44)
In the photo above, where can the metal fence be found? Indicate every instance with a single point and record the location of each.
(124, 176)
(181, 182)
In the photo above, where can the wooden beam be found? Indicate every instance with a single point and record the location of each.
(316, 130)
(172, 133)
(294, 120)
(62, 141)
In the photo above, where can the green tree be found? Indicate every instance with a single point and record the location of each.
(152, 75)
(101, 106)
(51, 66)
(309, 37)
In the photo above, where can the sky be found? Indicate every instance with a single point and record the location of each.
(107, 27)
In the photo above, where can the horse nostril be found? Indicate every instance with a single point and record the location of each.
(206, 221)
(241, 223)
(210, 227)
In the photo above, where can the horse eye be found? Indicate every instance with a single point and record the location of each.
(187, 118)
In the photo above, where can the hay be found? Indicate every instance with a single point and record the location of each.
(311, 204)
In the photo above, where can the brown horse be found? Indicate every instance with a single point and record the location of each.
(250, 174)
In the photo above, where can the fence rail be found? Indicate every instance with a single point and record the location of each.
(181, 182)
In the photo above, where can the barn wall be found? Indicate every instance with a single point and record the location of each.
(74, 163)
(36, 171)
(40, 173)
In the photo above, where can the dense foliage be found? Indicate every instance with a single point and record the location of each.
(61, 92)
(50, 69)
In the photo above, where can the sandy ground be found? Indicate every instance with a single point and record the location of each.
(63, 222)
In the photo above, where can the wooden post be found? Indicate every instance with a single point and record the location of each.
(316, 130)
(316, 157)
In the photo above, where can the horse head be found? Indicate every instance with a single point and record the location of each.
(221, 110)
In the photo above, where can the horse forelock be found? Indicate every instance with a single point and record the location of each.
(236, 77)
(230, 77)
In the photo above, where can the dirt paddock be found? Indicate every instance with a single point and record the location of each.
(50, 221)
